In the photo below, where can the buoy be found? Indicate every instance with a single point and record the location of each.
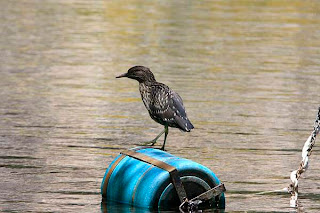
(154, 179)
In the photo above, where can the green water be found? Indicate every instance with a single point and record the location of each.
(248, 72)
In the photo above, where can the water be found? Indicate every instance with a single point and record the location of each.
(248, 72)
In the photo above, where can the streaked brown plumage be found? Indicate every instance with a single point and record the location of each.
(163, 104)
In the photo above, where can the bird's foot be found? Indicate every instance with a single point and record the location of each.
(149, 143)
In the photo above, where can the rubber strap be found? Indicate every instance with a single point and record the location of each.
(192, 205)
(175, 178)
(217, 190)
(106, 180)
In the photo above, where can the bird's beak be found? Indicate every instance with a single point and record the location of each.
(123, 75)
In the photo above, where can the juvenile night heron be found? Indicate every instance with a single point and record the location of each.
(163, 104)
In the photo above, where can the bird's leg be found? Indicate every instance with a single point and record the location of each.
(152, 142)
(166, 131)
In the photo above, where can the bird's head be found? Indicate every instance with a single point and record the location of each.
(139, 73)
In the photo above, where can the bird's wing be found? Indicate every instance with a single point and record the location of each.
(181, 118)
(168, 106)
(161, 104)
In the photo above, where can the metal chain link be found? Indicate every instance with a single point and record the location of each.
(306, 152)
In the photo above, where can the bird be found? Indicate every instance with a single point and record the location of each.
(163, 104)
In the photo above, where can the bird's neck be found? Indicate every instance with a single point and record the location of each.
(147, 83)
(145, 87)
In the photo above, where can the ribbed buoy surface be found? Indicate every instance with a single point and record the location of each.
(132, 181)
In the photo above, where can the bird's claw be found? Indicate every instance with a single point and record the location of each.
(149, 143)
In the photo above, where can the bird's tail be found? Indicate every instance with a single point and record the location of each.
(189, 126)
(184, 124)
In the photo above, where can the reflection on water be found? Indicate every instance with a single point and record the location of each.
(248, 72)
(110, 207)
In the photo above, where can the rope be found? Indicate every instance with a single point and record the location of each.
(306, 152)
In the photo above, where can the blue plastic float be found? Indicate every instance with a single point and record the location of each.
(154, 179)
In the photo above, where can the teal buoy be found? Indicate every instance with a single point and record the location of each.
(154, 179)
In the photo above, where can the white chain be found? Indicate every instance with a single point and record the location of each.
(306, 152)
